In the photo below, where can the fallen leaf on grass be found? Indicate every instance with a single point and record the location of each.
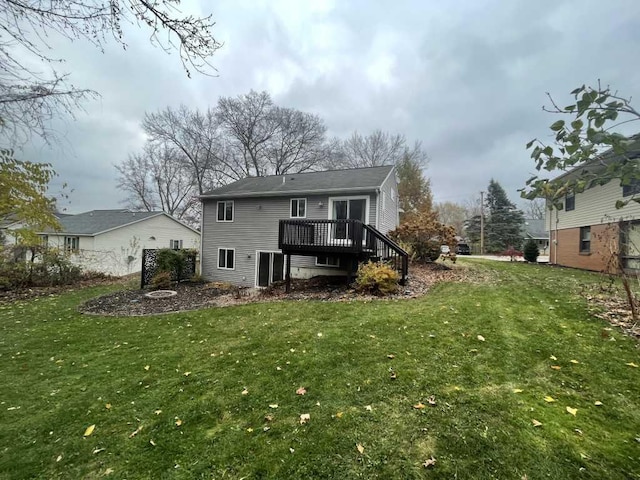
(301, 391)
(89, 430)
(393, 375)
(186, 374)
(536, 423)
(153, 444)
(368, 408)
(553, 357)
(158, 412)
(98, 450)
(432, 400)
(572, 411)
(481, 338)
(268, 418)
(245, 392)
(419, 406)
(291, 450)
(549, 399)
(574, 361)
(178, 422)
(360, 448)
(631, 364)
(517, 390)
(429, 463)
(249, 430)
(108, 471)
(556, 367)
(598, 403)
(391, 356)
(59, 458)
(108, 406)
(273, 405)
(147, 367)
(136, 431)
(339, 414)
(304, 418)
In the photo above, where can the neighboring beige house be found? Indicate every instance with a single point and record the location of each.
(111, 241)
(534, 229)
(588, 231)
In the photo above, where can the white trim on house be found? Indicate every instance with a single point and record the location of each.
(226, 249)
(233, 211)
(291, 200)
(367, 207)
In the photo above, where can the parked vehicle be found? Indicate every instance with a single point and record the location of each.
(445, 249)
(463, 249)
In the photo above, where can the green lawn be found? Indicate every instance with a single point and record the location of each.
(62, 372)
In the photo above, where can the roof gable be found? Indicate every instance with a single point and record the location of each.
(98, 221)
(331, 181)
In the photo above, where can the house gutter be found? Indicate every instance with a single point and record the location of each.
(289, 193)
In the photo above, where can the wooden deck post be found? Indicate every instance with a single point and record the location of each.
(288, 274)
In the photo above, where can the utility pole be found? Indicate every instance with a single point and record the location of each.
(481, 223)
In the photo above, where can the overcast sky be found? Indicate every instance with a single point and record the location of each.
(466, 78)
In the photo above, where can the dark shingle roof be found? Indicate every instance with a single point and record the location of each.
(96, 221)
(354, 179)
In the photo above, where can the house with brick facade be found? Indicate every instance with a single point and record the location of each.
(588, 231)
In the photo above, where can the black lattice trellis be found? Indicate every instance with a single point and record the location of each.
(150, 267)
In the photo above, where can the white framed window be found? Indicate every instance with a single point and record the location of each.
(175, 244)
(327, 261)
(225, 211)
(298, 208)
(71, 244)
(226, 258)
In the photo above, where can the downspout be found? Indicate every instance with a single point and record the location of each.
(555, 250)
(377, 208)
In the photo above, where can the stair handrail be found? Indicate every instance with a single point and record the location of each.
(386, 239)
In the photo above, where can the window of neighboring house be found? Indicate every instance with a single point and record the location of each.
(570, 202)
(298, 208)
(632, 189)
(226, 258)
(585, 239)
(630, 245)
(175, 244)
(225, 211)
(44, 240)
(326, 261)
(72, 244)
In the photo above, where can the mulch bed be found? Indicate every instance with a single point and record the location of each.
(196, 296)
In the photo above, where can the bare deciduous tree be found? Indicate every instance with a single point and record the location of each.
(28, 99)
(298, 143)
(156, 179)
(451, 213)
(535, 209)
(249, 124)
(378, 148)
(195, 134)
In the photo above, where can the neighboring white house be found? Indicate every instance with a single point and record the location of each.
(111, 241)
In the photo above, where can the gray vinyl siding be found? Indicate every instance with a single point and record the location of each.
(389, 214)
(255, 228)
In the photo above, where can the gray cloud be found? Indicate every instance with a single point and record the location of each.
(467, 79)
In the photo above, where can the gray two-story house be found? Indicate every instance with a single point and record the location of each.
(260, 230)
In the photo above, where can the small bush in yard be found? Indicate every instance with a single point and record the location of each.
(161, 280)
(531, 251)
(378, 278)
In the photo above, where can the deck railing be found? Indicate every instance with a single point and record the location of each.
(330, 236)
(382, 248)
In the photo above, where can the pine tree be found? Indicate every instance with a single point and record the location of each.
(504, 222)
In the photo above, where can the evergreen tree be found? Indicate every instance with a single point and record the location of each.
(504, 223)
